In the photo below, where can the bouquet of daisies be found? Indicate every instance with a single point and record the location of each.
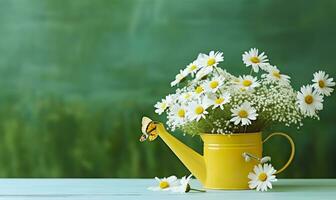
(211, 100)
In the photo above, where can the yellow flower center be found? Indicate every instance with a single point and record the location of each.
(321, 83)
(242, 114)
(255, 59)
(276, 75)
(214, 84)
(199, 90)
(164, 184)
(199, 110)
(187, 96)
(219, 100)
(262, 176)
(163, 106)
(247, 83)
(309, 99)
(211, 61)
(193, 67)
(181, 113)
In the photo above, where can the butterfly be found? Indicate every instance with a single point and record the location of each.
(148, 129)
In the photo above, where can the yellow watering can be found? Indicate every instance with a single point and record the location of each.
(222, 165)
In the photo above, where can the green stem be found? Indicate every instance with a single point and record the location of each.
(208, 122)
(197, 190)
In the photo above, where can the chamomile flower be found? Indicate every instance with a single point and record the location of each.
(164, 184)
(262, 177)
(199, 90)
(274, 76)
(179, 77)
(247, 82)
(309, 101)
(170, 99)
(179, 115)
(192, 68)
(219, 100)
(214, 84)
(161, 106)
(322, 83)
(183, 186)
(210, 60)
(243, 114)
(203, 72)
(186, 96)
(252, 58)
(197, 110)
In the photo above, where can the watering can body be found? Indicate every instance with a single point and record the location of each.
(222, 165)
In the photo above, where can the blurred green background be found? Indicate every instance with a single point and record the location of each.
(77, 76)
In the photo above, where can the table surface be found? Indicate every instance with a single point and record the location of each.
(136, 189)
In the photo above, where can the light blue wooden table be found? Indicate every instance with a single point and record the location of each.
(112, 189)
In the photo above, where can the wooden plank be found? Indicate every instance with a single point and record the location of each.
(136, 189)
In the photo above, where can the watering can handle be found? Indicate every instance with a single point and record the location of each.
(292, 149)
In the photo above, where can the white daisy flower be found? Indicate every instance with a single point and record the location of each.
(203, 72)
(179, 77)
(309, 101)
(219, 100)
(186, 96)
(192, 68)
(262, 177)
(179, 114)
(170, 99)
(210, 60)
(183, 186)
(246, 82)
(214, 84)
(243, 114)
(161, 106)
(199, 90)
(251, 58)
(322, 83)
(274, 76)
(197, 110)
(164, 184)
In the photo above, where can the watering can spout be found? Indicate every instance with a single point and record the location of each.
(190, 158)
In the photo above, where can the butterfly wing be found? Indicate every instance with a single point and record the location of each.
(145, 122)
(151, 130)
(148, 129)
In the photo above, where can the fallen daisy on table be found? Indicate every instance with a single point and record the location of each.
(184, 186)
(164, 184)
(172, 184)
(262, 177)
